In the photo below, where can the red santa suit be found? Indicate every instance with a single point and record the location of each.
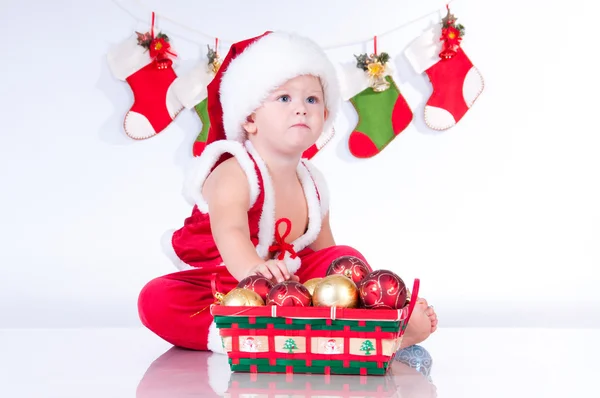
(169, 305)
(176, 306)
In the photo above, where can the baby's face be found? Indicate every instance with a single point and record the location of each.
(292, 116)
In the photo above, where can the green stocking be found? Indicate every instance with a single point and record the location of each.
(381, 117)
(200, 143)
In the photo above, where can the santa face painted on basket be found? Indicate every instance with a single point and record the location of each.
(291, 118)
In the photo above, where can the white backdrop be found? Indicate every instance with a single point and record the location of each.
(499, 216)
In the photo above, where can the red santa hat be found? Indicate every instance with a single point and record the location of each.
(253, 68)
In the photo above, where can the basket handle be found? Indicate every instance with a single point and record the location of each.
(215, 285)
(413, 300)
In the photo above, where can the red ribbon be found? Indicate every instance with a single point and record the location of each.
(281, 244)
(451, 38)
(160, 49)
(215, 286)
(375, 45)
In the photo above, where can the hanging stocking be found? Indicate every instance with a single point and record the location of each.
(191, 91)
(144, 61)
(200, 143)
(381, 117)
(383, 113)
(456, 82)
(324, 138)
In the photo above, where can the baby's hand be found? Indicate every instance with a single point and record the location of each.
(275, 270)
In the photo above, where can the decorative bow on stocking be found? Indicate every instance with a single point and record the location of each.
(159, 46)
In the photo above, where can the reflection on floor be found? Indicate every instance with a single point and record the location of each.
(469, 363)
(187, 373)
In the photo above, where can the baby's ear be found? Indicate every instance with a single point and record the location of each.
(250, 126)
(326, 114)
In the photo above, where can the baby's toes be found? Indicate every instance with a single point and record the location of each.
(430, 312)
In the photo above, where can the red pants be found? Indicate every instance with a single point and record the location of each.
(166, 304)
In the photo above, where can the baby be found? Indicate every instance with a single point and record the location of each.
(259, 207)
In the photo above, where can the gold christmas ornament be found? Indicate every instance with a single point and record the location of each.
(311, 283)
(240, 297)
(214, 60)
(336, 291)
(375, 65)
(219, 297)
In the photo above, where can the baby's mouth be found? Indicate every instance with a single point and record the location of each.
(301, 125)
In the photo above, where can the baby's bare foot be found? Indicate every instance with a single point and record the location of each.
(432, 317)
(421, 324)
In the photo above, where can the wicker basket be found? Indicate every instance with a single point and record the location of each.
(320, 340)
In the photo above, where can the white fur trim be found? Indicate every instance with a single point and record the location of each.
(265, 65)
(219, 373)
(266, 224)
(137, 126)
(314, 211)
(292, 264)
(127, 57)
(424, 51)
(215, 343)
(191, 88)
(321, 184)
(202, 166)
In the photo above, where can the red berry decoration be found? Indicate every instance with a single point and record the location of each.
(289, 294)
(382, 289)
(351, 267)
(258, 284)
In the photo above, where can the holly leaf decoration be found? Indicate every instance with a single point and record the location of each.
(363, 60)
(144, 39)
(162, 36)
(211, 55)
(383, 58)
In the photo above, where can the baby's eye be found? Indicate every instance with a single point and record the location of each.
(312, 100)
(284, 98)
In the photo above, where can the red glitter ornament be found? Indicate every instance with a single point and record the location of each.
(258, 284)
(382, 289)
(350, 267)
(289, 294)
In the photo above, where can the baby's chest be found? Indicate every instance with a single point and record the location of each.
(294, 208)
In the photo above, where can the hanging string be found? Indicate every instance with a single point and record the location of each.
(375, 45)
(141, 4)
(152, 26)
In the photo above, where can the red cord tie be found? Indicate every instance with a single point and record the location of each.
(281, 244)
(158, 46)
(216, 291)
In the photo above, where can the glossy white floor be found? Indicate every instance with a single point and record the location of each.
(133, 363)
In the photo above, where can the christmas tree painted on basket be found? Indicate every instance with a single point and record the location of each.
(290, 345)
(367, 347)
